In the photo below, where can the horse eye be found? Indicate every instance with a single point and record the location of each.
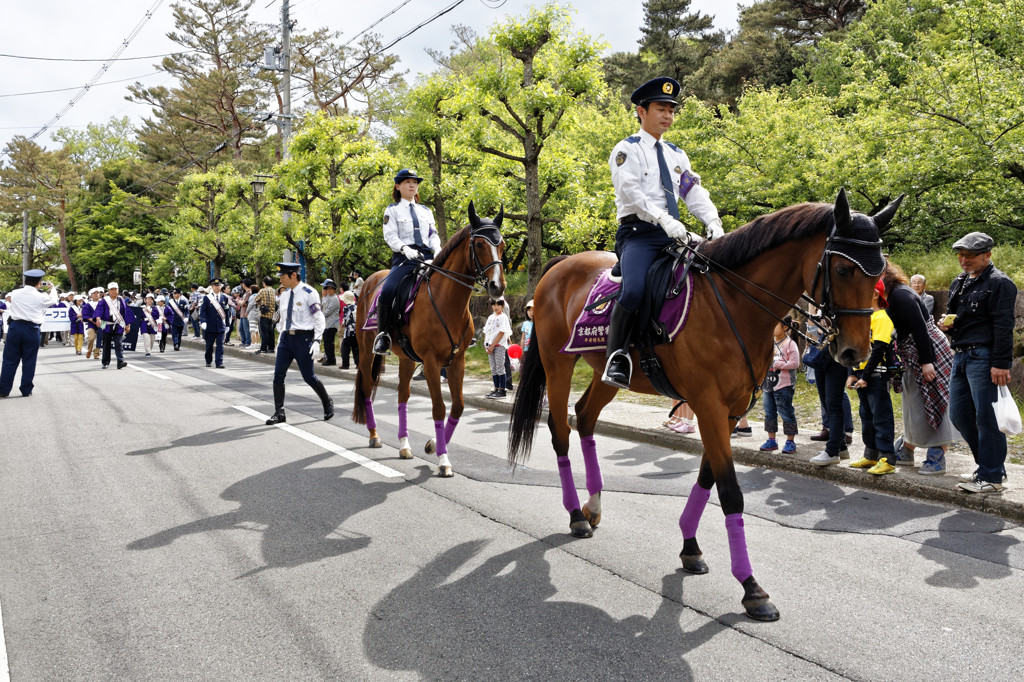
(843, 270)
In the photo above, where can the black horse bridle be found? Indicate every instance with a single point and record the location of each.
(489, 233)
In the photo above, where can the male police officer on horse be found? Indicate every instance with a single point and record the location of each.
(649, 176)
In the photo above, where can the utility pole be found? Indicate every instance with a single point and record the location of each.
(286, 80)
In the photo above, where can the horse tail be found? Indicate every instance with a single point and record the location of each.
(359, 406)
(551, 263)
(527, 406)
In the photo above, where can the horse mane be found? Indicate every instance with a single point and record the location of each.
(453, 243)
(766, 232)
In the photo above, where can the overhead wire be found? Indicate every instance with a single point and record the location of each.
(69, 59)
(76, 87)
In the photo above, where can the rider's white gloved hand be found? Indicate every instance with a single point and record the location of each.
(203, 326)
(410, 252)
(673, 228)
(714, 229)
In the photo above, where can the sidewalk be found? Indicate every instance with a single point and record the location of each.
(642, 424)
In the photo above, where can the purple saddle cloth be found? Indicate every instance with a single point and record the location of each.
(371, 317)
(590, 331)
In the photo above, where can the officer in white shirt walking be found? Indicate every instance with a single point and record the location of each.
(301, 326)
(649, 176)
(26, 309)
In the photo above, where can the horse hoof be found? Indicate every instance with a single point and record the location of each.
(761, 609)
(375, 442)
(593, 518)
(405, 453)
(429, 447)
(579, 527)
(445, 471)
(694, 563)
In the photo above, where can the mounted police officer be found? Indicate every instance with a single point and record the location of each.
(409, 231)
(301, 326)
(649, 176)
(26, 309)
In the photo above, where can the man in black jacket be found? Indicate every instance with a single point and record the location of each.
(982, 300)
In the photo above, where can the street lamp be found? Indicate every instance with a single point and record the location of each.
(259, 183)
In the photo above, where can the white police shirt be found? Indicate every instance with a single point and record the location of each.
(29, 304)
(637, 180)
(306, 313)
(398, 228)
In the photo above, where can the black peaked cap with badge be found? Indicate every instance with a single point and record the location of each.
(407, 174)
(215, 280)
(287, 268)
(658, 90)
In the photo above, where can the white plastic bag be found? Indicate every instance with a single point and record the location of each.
(1007, 414)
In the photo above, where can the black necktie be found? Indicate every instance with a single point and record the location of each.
(415, 226)
(666, 183)
(291, 301)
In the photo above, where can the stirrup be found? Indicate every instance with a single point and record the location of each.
(629, 372)
(382, 344)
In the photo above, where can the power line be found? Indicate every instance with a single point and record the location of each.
(406, 2)
(68, 59)
(76, 87)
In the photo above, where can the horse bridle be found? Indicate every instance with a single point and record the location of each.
(489, 233)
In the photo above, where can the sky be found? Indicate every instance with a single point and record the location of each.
(95, 29)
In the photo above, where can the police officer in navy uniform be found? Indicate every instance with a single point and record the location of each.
(650, 175)
(301, 326)
(409, 231)
(213, 320)
(25, 310)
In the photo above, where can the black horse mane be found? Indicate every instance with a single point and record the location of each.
(766, 232)
(453, 243)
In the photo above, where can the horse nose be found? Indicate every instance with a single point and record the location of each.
(849, 358)
(495, 289)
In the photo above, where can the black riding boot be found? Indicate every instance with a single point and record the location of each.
(382, 344)
(620, 327)
(328, 403)
(278, 417)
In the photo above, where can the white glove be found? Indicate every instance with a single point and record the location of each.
(314, 348)
(673, 228)
(410, 252)
(714, 229)
(203, 326)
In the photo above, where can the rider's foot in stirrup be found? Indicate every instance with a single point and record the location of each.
(618, 369)
(382, 344)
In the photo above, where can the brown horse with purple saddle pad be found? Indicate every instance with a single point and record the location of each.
(435, 330)
(750, 279)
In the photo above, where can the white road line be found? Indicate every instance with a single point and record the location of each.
(149, 371)
(327, 445)
(5, 671)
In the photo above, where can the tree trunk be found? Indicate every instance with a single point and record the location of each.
(64, 254)
(440, 217)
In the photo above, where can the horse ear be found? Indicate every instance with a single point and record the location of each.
(841, 212)
(501, 216)
(883, 217)
(474, 220)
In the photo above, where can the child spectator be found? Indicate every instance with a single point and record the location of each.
(526, 328)
(778, 393)
(497, 331)
(348, 324)
(872, 383)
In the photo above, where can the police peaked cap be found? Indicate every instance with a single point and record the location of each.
(287, 268)
(407, 174)
(215, 280)
(657, 90)
(35, 273)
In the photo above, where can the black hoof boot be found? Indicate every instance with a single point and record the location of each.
(757, 603)
(693, 560)
(579, 526)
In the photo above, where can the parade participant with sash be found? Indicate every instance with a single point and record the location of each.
(26, 309)
(149, 323)
(115, 319)
(162, 323)
(213, 320)
(177, 313)
(301, 326)
(409, 231)
(77, 330)
(649, 176)
(93, 340)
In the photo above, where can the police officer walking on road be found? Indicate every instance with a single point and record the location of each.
(25, 309)
(213, 320)
(649, 176)
(301, 326)
(981, 303)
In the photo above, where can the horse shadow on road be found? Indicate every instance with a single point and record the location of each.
(297, 508)
(503, 620)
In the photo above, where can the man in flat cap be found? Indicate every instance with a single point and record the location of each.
(650, 177)
(300, 328)
(213, 320)
(26, 309)
(331, 306)
(982, 299)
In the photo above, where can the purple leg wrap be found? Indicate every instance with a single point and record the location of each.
(690, 518)
(403, 420)
(371, 422)
(738, 547)
(569, 498)
(595, 482)
(440, 443)
(449, 429)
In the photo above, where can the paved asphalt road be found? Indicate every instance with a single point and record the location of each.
(151, 530)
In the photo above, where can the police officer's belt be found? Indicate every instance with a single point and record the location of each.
(293, 332)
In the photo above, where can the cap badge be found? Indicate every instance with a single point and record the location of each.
(667, 88)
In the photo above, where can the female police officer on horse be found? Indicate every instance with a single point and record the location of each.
(649, 176)
(409, 231)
